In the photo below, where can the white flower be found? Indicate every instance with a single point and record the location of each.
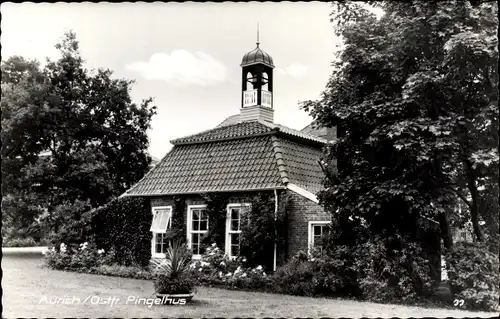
(229, 274)
(244, 274)
(244, 260)
(312, 259)
(83, 246)
(220, 273)
(62, 247)
(222, 263)
(264, 274)
(100, 251)
(200, 269)
(214, 245)
(259, 267)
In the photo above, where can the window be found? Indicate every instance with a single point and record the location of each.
(197, 226)
(162, 217)
(316, 230)
(235, 216)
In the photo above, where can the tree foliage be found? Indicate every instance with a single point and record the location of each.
(68, 134)
(416, 91)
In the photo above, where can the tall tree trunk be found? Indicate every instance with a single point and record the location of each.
(474, 210)
(444, 226)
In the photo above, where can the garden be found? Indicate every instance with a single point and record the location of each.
(356, 272)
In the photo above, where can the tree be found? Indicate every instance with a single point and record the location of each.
(69, 134)
(416, 91)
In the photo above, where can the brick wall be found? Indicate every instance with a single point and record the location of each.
(301, 210)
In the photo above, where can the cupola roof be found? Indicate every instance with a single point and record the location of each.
(256, 56)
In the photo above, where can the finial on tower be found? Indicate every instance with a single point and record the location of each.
(258, 34)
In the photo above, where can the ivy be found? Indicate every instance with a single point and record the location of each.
(259, 235)
(265, 229)
(216, 210)
(178, 227)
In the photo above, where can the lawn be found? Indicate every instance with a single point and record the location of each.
(27, 287)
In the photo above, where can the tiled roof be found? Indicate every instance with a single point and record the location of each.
(230, 165)
(244, 129)
(239, 157)
(239, 130)
(302, 164)
(296, 133)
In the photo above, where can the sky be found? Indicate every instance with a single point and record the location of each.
(186, 55)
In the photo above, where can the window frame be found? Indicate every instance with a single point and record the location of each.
(189, 226)
(310, 232)
(154, 254)
(230, 232)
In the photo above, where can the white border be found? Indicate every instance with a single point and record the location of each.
(189, 225)
(303, 192)
(310, 225)
(153, 238)
(227, 248)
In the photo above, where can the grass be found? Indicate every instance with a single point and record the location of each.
(27, 287)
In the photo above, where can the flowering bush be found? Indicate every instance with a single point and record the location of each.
(248, 278)
(215, 268)
(84, 257)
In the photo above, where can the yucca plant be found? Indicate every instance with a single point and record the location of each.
(171, 273)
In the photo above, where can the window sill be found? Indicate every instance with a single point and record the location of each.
(158, 255)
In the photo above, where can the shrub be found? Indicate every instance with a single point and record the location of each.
(20, 242)
(58, 259)
(213, 263)
(215, 268)
(473, 272)
(71, 224)
(123, 226)
(248, 279)
(296, 278)
(319, 275)
(84, 257)
(390, 274)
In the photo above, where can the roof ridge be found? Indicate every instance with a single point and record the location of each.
(246, 133)
(278, 154)
(270, 125)
(199, 133)
(290, 131)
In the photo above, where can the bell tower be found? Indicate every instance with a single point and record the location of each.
(257, 86)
